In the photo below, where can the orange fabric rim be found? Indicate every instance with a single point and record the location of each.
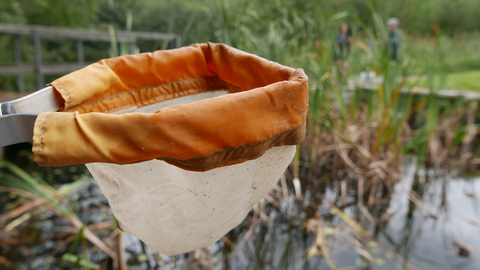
(267, 106)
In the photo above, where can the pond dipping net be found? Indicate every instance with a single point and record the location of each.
(182, 142)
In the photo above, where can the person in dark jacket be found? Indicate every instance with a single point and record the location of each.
(395, 37)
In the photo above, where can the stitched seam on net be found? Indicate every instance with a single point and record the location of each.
(230, 150)
(155, 97)
(230, 159)
(40, 151)
(150, 86)
(66, 93)
(224, 161)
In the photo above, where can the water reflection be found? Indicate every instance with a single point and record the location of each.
(443, 230)
(434, 224)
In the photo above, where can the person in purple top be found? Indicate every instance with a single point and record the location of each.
(342, 48)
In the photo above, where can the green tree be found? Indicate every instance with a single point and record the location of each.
(73, 13)
(11, 12)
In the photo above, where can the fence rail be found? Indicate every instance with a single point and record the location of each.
(46, 69)
(80, 35)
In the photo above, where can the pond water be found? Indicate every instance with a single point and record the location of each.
(435, 227)
(442, 231)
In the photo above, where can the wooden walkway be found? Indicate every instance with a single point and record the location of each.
(80, 36)
(415, 90)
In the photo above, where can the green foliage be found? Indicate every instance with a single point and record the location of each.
(11, 12)
(301, 33)
(465, 80)
(16, 178)
(72, 13)
(426, 17)
(24, 186)
(77, 261)
(189, 18)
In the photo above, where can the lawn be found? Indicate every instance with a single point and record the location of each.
(465, 80)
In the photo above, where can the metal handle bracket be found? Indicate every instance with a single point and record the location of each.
(17, 117)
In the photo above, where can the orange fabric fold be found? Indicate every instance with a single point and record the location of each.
(266, 107)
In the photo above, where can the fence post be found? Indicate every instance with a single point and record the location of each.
(38, 59)
(18, 61)
(177, 41)
(80, 54)
(133, 46)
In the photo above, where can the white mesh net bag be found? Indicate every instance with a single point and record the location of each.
(174, 210)
(182, 143)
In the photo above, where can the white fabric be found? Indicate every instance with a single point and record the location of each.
(176, 211)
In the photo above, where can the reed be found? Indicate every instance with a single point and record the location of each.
(361, 134)
(34, 197)
(358, 138)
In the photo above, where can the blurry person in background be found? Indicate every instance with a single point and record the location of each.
(396, 36)
(342, 49)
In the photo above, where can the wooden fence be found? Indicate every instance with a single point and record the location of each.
(80, 36)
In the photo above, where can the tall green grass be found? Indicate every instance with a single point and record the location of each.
(360, 135)
(35, 191)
